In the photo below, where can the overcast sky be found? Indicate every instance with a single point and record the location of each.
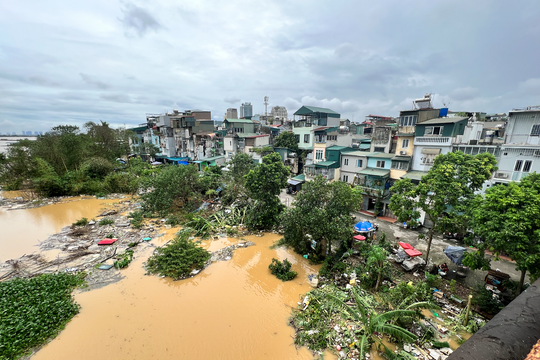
(68, 62)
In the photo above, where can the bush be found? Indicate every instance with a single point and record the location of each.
(106, 221)
(178, 258)
(433, 280)
(124, 259)
(121, 183)
(48, 183)
(136, 219)
(485, 300)
(97, 167)
(282, 270)
(81, 222)
(34, 310)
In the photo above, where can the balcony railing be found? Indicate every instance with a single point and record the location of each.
(428, 140)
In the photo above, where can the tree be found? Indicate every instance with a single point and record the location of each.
(324, 211)
(264, 184)
(507, 220)
(376, 261)
(174, 188)
(371, 322)
(286, 140)
(447, 189)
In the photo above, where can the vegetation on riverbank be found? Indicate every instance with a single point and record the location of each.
(34, 310)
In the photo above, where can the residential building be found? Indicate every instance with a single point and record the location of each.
(351, 164)
(308, 118)
(231, 114)
(520, 153)
(325, 137)
(434, 137)
(246, 111)
(279, 113)
(375, 181)
(195, 135)
(382, 139)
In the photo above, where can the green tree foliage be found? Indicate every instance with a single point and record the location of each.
(507, 220)
(377, 263)
(264, 184)
(174, 188)
(447, 189)
(322, 212)
(178, 258)
(35, 310)
(234, 179)
(97, 167)
(286, 140)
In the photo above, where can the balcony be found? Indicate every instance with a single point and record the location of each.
(433, 140)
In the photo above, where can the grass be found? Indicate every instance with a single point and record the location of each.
(106, 221)
(32, 311)
(81, 222)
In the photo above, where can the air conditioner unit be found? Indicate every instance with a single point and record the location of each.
(473, 142)
(537, 153)
(502, 175)
(402, 152)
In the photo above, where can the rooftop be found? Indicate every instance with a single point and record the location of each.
(444, 120)
(315, 110)
(374, 172)
(246, 121)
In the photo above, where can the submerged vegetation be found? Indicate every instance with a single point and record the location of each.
(32, 311)
(178, 258)
(282, 270)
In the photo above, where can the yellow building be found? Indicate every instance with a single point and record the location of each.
(401, 163)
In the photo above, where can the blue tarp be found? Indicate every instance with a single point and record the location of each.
(183, 163)
(363, 226)
(455, 253)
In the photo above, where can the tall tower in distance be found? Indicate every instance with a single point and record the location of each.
(266, 106)
(246, 110)
(231, 113)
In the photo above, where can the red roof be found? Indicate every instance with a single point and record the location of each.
(412, 252)
(359, 237)
(405, 245)
(107, 241)
(322, 128)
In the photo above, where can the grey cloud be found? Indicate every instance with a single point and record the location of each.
(92, 81)
(119, 98)
(231, 100)
(138, 20)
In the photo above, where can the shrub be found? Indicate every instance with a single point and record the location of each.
(173, 220)
(81, 222)
(124, 259)
(178, 258)
(121, 183)
(106, 221)
(136, 219)
(97, 167)
(282, 270)
(485, 300)
(433, 280)
(34, 310)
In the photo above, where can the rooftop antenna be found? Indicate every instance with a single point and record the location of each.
(266, 106)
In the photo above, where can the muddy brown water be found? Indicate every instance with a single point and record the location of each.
(21, 230)
(232, 310)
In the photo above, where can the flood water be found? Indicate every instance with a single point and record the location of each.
(232, 310)
(21, 230)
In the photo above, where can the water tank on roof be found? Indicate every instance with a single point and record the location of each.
(443, 112)
(343, 128)
(489, 137)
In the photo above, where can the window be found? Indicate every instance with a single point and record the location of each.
(527, 166)
(346, 178)
(318, 154)
(433, 130)
(405, 144)
(230, 143)
(408, 120)
(306, 139)
(400, 165)
(359, 163)
(535, 131)
(380, 163)
(378, 149)
(297, 138)
(345, 161)
(331, 137)
(518, 165)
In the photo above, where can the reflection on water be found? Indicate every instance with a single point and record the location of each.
(21, 230)
(232, 310)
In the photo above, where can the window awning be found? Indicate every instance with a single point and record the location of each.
(364, 146)
(431, 151)
(374, 172)
(294, 182)
(401, 158)
(414, 175)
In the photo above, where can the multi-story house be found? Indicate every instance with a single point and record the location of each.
(308, 118)
(243, 135)
(326, 137)
(520, 153)
(434, 137)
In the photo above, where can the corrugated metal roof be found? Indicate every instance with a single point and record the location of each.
(356, 153)
(448, 120)
(380, 155)
(300, 177)
(414, 175)
(245, 121)
(374, 172)
(402, 158)
(213, 158)
(316, 109)
(326, 164)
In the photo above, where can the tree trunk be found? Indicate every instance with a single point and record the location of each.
(430, 237)
(379, 277)
(521, 281)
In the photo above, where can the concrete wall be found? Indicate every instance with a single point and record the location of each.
(409, 149)
(303, 131)
(352, 163)
(507, 162)
(417, 156)
(372, 162)
(510, 335)
(519, 128)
